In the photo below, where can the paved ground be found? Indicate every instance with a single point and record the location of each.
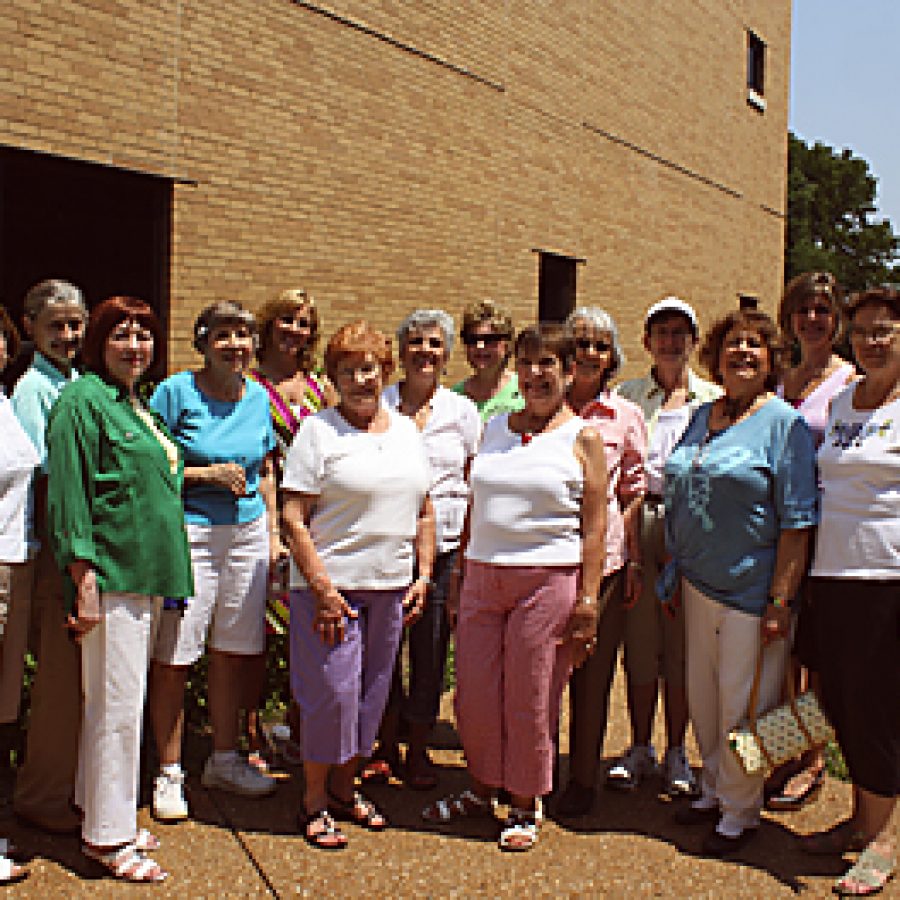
(627, 847)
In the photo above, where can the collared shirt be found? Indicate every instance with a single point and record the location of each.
(18, 459)
(33, 398)
(113, 499)
(621, 424)
(650, 395)
(451, 435)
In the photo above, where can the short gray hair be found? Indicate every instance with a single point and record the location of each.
(52, 292)
(602, 321)
(220, 313)
(427, 318)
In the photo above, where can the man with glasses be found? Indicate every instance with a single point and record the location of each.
(654, 641)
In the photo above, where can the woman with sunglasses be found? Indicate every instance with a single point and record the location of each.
(809, 318)
(487, 335)
(451, 428)
(598, 356)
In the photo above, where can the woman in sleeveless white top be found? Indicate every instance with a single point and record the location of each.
(855, 587)
(534, 552)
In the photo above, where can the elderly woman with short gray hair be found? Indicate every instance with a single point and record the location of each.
(598, 357)
(451, 429)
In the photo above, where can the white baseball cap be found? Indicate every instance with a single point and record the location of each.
(676, 305)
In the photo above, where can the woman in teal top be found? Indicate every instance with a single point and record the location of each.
(740, 500)
(117, 528)
(487, 334)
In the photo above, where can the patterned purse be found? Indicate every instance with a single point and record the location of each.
(762, 743)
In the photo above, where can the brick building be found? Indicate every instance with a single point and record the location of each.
(390, 155)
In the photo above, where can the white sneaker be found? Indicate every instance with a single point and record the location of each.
(636, 764)
(169, 804)
(679, 779)
(237, 776)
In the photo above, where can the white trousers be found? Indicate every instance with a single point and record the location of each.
(114, 660)
(722, 646)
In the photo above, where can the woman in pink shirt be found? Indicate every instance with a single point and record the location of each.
(809, 318)
(598, 356)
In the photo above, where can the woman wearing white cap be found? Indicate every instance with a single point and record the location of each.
(654, 641)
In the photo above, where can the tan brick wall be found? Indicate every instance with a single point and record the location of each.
(366, 164)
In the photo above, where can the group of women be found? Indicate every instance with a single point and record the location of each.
(541, 514)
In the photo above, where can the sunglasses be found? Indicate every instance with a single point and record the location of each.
(489, 340)
(432, 343)
(600, 346)
(289, 321)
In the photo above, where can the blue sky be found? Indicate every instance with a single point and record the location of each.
(845, 85)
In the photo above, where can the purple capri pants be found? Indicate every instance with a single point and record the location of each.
(342, 690)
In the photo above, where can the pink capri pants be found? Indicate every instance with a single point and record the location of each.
(511, 667)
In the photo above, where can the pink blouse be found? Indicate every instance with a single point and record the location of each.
(621, 424)
(814, 408)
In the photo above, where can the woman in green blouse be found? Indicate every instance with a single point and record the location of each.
(487, 333)
(117, 527)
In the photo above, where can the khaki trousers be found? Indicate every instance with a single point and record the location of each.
(16, 580)
(46, 781)
(591, 683)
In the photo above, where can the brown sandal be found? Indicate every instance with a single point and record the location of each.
(359, 810)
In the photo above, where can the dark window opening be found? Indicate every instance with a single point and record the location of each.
(104, 229)
(557, 286)
(756, 64)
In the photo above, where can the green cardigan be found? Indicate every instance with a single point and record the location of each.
(112, 498)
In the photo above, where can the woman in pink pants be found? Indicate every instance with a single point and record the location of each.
(526, 595)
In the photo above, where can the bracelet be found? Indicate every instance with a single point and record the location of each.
(778, 602)
(587, 600)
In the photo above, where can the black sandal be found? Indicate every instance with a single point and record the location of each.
(329, 838)
(359, 810)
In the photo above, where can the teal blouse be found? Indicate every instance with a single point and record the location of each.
(113, 500)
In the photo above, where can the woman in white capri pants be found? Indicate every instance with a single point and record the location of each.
(117, 530)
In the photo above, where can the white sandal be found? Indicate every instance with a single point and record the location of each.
(10, 872)
(146, 842)
(521, 829)
(462, 806)
(127, 863)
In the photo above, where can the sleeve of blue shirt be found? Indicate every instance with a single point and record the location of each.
(162, 404)
(796, 491)
(32, 415)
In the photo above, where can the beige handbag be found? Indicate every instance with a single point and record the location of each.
(761, 743)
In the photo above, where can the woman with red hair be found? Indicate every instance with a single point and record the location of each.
(117, 530)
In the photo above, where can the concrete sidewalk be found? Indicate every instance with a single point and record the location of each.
(629, 846)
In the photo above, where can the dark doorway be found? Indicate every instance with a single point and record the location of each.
(105, 229)
(557, 286)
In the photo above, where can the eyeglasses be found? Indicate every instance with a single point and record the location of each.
(586, 344)
(876, 334)
(122, 334)
(815, 309)
(489, 340)
(432, 343)
(290, 321)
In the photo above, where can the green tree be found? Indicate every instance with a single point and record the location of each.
(831, 199)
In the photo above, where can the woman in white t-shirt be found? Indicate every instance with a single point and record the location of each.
(450, 426)
(358, 519)
(856, 590)
(534, 555)
(18, 459)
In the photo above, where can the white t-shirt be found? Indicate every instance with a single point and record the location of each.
(451, 436)
(859, 469)
(370, 488)
(526, 497)
(670, 426)
(18, 459)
